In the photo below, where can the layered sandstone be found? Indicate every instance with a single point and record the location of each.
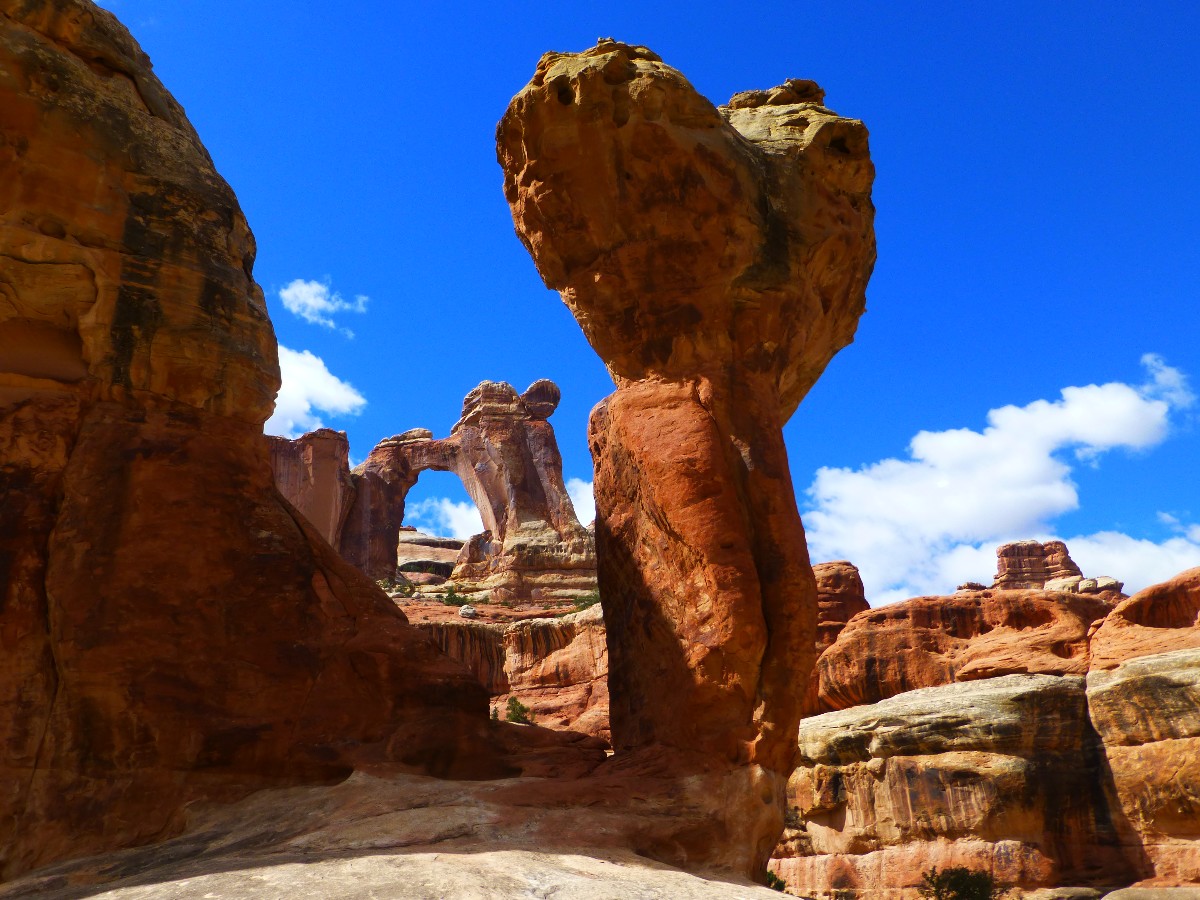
(313, 473)
(1162, 618)
(716, 260)
(840, 597)
(1028, 565)
(1004, 775)
(171, 628)
(931, 641)
(558, 667)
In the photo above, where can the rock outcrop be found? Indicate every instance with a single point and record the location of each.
(918, 769)
(557, 667)
(504, 451)
(931, 641)
(1028, 565)
(313, 473)
(716, 261)
(840, 597)
(1003, 775)
(171, 629)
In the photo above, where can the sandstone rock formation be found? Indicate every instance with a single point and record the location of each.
(504, 451)
(716, 260)
(1162, 618)
(313, 473)
(931, 641)
(557, 667)
(171, 629)
(1003, 775)
(840, 598)
(1029, 565)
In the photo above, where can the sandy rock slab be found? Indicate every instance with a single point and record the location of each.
(396, 837)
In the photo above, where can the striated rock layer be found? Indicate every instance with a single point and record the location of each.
(556, 667)
(716, 260)
(171, 629)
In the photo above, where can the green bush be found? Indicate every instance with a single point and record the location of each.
(775, 883)
(587, 600)
(518, 712)
(958, 883)
(453, 597)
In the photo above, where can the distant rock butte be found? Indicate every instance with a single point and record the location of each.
(716, 260)
(171, 629)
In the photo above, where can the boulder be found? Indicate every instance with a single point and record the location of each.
(1003, 774)
(172, 629)
(716, 260)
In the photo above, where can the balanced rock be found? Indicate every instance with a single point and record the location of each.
(716, 260)
(172, 629)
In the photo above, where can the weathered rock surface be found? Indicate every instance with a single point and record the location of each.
(1003, 774)
(557, 667)
(313, 473)
(930, 641)
(418, 553)
(840, 598)
(716, 260)
(1147, 713)
(399, 839)
(1028, 565)
(504, 451)
(1162, 618)
(170, 628)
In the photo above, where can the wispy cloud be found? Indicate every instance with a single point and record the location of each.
(308, 388)
(444, 517)
(318, 303)
(929, 522)
(582, 499)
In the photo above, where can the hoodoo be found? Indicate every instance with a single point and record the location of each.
(716, 260)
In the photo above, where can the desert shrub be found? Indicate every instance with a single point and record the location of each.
(587, 600)
(958, 883)
(453, 597)
(518, 712)
(775, 883)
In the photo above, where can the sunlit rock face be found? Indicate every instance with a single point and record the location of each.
(716, 260)
(313, 473)
(171, 630)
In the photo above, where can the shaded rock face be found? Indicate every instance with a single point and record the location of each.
(504, 451)
(931, 641)
(313, 473)
(716, 260)
(171, 629)
(1005, 775)
(556, 667)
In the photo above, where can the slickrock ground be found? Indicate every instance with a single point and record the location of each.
(406, 838)
(716, 260)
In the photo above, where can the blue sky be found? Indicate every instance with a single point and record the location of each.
(1037, 193)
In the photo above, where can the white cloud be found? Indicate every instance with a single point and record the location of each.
(582, 499)
(317, 302)
(308, 386)
(932, 521)
(444, 517)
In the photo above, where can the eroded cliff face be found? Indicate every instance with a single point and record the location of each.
(313, 473)
(948, 749)
(716, 260)
(170, 628)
